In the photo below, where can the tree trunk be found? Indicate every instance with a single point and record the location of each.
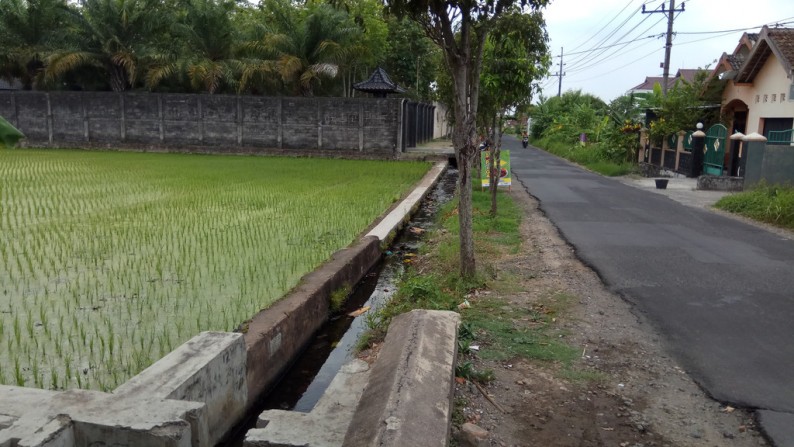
(118, 78)
(468, 266)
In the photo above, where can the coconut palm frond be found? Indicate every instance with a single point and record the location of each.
(59, 64)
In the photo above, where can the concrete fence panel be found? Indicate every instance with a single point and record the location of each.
(222, 122)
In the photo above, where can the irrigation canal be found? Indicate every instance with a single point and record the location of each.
(334, 344)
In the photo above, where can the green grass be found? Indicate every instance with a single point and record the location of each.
(773, 204)
(503, 331)
(109, 260)
(509, 331)
(587, 156)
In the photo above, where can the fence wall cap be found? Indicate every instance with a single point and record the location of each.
(737, 136)
(754, 137)
(698, 134)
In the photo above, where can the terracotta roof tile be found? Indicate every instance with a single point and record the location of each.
(784, 40)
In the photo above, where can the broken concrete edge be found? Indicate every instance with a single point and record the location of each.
(190, 397)
(408, 400)
(209, 368)
(388, 227)
(327, 422)
(277, 335)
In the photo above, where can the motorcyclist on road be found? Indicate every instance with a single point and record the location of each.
(525, 140)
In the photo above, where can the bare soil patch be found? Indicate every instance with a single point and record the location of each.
(625, 389)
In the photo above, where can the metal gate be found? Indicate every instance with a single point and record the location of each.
(714, 151)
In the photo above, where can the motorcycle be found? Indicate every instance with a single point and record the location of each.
(525, 141)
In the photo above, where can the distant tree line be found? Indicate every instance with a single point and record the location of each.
(276, 47)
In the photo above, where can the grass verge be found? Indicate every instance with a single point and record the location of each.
(501, 331)
(590, 157)
(772, 204)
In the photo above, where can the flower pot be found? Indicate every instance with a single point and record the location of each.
(661, 183)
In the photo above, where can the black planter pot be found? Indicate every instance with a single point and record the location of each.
(661, 183)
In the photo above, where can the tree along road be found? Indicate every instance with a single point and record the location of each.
(721, 291)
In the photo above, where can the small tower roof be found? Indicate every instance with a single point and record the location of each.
(379, 84)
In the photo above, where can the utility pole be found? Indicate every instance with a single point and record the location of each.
(669, 42)
(560, 73)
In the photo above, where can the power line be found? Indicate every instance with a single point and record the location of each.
(616, 52)
(605, 25)
(778, 23)
(608, 36)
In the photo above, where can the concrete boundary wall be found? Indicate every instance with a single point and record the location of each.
(227, 123)
(770, 163)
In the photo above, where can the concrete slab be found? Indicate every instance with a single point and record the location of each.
(325, 425)
(397, 217)
(778, 426)
(408, 401)
(210, 368)
(681, 189)
(188, 398)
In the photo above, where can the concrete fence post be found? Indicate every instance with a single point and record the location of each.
(122, 115)
(239, 121)
(49, 119)
(679, 147)
(280, 112)
(200, 119)
(84, 111)
(319, 124)
(161, 116)
(360, 126)
(643, 152)
(698, 145)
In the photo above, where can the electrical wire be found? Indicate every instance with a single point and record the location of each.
(598, 59)
(602, 28)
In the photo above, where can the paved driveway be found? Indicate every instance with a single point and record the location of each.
(720, 290)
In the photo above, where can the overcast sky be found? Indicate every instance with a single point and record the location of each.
(581, 25)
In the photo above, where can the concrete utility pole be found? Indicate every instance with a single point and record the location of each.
(560, 73)
(669, 43)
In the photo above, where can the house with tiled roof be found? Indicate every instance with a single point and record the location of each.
(758, 95)
(686, 74)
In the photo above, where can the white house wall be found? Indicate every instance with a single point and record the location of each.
(767, 97)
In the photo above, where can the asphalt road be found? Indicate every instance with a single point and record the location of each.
(721, 291)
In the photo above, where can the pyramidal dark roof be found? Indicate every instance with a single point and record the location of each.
(379, 83)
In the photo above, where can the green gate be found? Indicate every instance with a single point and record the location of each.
(714, 152)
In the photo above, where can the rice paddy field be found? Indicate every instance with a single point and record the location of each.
(109, 260)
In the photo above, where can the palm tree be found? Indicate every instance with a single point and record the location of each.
(206, 37)
(111, 36)
(302, 47)
(27, 33)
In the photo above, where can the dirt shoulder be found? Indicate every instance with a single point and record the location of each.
(625, 390)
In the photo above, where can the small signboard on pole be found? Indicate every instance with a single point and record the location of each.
(503, 169)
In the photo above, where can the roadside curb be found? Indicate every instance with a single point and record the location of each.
(408, 400)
